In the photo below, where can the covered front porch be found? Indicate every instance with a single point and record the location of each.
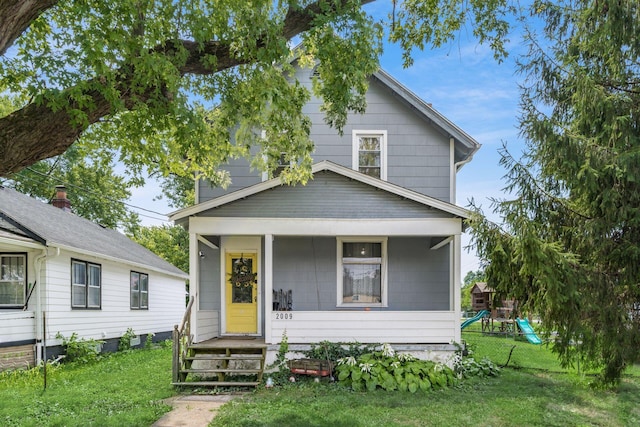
(419, 303)
(346, 257)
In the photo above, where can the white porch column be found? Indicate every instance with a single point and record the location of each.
(268, 286)
(194, 282)
(456, 247)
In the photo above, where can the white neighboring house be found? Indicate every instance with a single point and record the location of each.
(60, 273)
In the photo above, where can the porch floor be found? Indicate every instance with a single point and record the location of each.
(231, 342)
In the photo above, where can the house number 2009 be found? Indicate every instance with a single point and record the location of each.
(284, 316)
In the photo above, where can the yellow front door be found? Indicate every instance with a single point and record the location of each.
(241, 293)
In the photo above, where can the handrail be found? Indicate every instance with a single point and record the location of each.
(181, 342)
(187, 313)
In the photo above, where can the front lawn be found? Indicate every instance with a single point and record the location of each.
(534, 390)
(126, 389)
(516, 398)
(122, 389)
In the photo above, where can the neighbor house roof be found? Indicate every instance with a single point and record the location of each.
(26, 217)
(324, 165)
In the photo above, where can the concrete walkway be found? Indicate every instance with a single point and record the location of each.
(193, 410)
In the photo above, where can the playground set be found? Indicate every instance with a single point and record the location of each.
(498, 319)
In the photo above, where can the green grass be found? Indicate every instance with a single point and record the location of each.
(123, 389)
(534, 390)
(126, 389)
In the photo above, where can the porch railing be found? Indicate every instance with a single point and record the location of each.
(182, 339)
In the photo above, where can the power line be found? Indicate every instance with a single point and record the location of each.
(48, 177)
(94, 193)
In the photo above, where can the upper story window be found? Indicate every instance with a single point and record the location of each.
(139, 291)
(282, 164)
(370, 152)
(86, 284)
(13, 280)
(362, 274)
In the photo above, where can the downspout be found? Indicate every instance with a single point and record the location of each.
(40, 339)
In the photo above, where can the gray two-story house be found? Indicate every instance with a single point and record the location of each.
(367, 251)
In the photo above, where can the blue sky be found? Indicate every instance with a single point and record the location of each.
(466, 84)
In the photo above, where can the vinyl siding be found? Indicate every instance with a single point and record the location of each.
(209, 292)
(418, 276)
(166, 302)
(418, 153)
(416, 327)
(328, 195)
(17, 325)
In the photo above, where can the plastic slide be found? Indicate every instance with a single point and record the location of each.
(528, 331)
(474, 319)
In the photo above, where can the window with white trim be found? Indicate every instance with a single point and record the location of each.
(282, 164)
(86, 284)
(370, 152)
(362, 272)
(13, 280)
(139, 291)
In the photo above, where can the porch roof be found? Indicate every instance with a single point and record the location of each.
(402, 192)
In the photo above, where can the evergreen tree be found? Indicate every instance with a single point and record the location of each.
(569, 245)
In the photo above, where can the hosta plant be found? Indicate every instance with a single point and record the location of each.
(389, 370)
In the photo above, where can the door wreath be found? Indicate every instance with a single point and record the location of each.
(241, 273)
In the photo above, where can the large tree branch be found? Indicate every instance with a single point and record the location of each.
(37, 132)
(16, 16)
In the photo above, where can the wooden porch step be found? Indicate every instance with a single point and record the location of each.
(240, 345)
(221, 371)
(217, 384)
(213, 356)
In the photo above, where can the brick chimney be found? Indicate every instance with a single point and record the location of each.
(60, 200)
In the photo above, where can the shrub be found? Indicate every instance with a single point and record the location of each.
(334, 351)
(281, 372)
(125, 340)
(148, 343)
(468, 367)
(390, 371)
(80, 350)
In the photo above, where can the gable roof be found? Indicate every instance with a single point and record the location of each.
(25, 216)
(465, 145)
(318, 167)
(481, 287)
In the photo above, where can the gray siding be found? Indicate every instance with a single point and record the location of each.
(328, 195)
(209, 293)
(308, 267)
(418, 277)
(241, 176)
(417, 151)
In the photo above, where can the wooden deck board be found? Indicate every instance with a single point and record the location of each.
(231, 342)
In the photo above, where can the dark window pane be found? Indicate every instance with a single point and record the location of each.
(78, 296)
(242, 281)
(79, 273)
(144, 282)
(362, 250)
